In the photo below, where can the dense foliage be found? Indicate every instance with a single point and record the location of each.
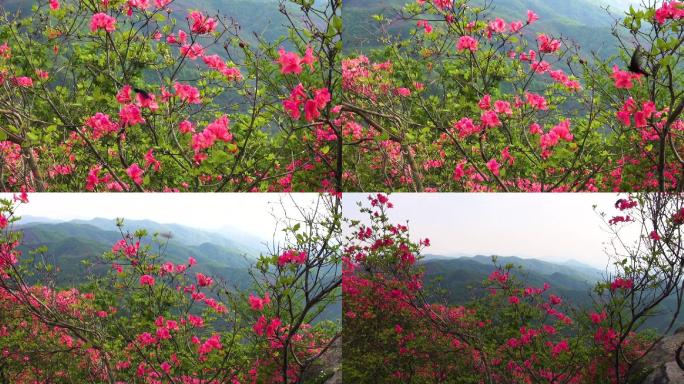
(395, 330)
(150, 320)
(122, 96)
(472, 102)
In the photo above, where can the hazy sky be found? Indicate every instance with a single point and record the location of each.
(553, 227)
(249, 212)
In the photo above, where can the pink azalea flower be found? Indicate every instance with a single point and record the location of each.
(102, 21)
(23, 81)
(187, 93)
(203, 280)
(494, 166)
(290, 62)
(147, 280)
(531, 17)
(101, 125)
(130, 115)
(623, 79)
(258, 303)
(135, 173)
(467, 43)
(201, 24)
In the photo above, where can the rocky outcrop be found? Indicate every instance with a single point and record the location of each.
(334, 362)
(328, 367)
(662, 360)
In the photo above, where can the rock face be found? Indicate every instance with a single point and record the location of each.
(328, 368)
(334, 359)
(662, 360)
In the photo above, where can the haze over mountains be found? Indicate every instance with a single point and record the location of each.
(226, 255)
(586, 22)
(254, 16)
(457, 280)
(75, 247)
(466, 274)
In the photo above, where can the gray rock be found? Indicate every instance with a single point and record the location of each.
(662, 361)
(335, 363)
(328, 367)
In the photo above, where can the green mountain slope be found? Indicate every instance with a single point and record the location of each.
(260, 17)
(233, 239)
(459, 280)
(71, 243)
(584, 21)
(254, 16)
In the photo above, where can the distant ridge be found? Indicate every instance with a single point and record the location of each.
(538, 265)
(71, 243)
(584, 21)
(228, 237)
(457, 280)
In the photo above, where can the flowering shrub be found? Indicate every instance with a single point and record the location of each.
(473, 102)
(138, 96)
(514, 332)
(150, 320)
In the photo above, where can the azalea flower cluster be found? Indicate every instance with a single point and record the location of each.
(670, 10)
(479, 153)
(153, 138)
(292, 63)
(312, 107)
(646, 124)
(514, 332)
(407, 142)
(148, 320)
(292, 256)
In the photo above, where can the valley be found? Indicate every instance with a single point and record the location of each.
(458, 281)
(76, 247)
(586, 22)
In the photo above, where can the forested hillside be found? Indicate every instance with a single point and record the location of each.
(460, 280)
(77, 247)
(255, 17)
(587, 22)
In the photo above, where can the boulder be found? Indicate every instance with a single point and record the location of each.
(662, 360)
(328, 367)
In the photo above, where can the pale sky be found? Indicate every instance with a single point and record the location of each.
(553, 227)
(248, 212)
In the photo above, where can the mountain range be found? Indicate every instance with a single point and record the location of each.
(261, 17)
(75, 248)
(77, 245)
(458, 280)
(587, 22)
